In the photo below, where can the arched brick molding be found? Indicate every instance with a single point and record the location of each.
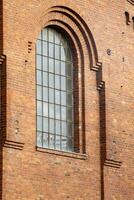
(73, 24)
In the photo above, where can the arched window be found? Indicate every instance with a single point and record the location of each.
(54, 81)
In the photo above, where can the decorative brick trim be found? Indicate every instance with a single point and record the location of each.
(13, 145)
(112, 163)
(2, 59)
(131, 1)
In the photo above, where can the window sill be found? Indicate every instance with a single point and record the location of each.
(63, 153)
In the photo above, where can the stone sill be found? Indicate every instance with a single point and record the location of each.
(63, 153)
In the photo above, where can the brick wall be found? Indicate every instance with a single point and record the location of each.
(105, 171)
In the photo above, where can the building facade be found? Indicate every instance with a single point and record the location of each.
(67, 100)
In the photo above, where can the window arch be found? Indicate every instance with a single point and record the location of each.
(54, 84)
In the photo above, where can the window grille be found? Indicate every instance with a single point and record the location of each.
(54, 91)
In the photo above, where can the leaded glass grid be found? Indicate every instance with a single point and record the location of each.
(54, 81)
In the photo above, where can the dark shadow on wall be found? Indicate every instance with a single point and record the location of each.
(2, 97)
(102, 112)
(104, 161)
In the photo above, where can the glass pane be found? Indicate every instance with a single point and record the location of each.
(69, 84)
(51, 95)
(38, 46)
(51, 65)
(51, 50)
(57, 67)
(57, 96)
(44, 34)
(69, 129)
(39, 108)
(57, 112)
(57, 142)
(63, 83)
(58, 131)
(64, 128)
(45, 78)
(69, 99)
(63, 98)
(69, 113)
(39, 92)
(38, 61)
(64, 143)
(63, 113)
(45, 109)
(39, 139)
(57, 38)
(45, 124)
(57, 81)
(45, 94)
(39, 123)
(68, 69)
(45, 49)
(45, 63)
(57, 52)
(51, 80)
(51, 110)
(63, 72)
(51, 141)
(51, 126)
(45, 140)
(68, 54)
(70, 144)
(51, 35)
(39, 77)
(63, 57)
